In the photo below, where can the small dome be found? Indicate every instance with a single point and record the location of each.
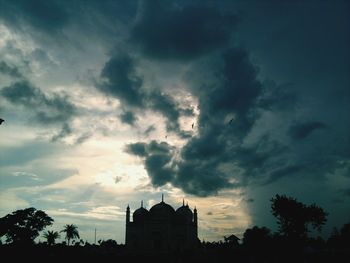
(184, 212)
(139, 214)
(162, 210)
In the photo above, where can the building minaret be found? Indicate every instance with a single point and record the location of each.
(195, 221)
(127, 214)
(127, 221)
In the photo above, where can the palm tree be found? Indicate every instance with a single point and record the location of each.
(71, 232)
(51, 237)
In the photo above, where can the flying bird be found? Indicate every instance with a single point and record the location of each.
(230, 121)
(1, 121)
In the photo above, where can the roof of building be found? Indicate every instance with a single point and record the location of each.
(185, 211)
(162, 209)
(140, 213)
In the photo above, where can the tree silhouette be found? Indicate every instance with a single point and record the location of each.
(340, 240)
(51, 237)
(231, 240)
(294, 217)
(23, 226)
(345, 235)
(108, 244)
(256, 237)
(71, 232)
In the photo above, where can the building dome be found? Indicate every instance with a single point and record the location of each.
(162, 210)
(140, 214)
(184, 213)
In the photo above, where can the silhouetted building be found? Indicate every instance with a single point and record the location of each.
(162, 228)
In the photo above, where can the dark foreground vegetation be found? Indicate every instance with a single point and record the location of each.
(290, 244)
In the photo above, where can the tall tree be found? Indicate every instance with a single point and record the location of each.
(71, 232)
(51, 237)
(23, 226)
(294, 217)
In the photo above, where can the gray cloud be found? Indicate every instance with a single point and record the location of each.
(157, 160)
(42, 176)
(159, 168)
(48, 16)
(11, 71)
(128, 117)
(165, 30)
(283, 171)
(82, 138)
(277, 97)
(150, 129)
(231, 101)
(25, 153)
(345, 192)
(65, 131)
(200, 167)
(302, 130)
(47, 110)
(138, 149)
(146, 149)
(119, 79)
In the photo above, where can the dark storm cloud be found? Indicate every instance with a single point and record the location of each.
(165, 104)
(128, 117)
(283, 171)
(229, 148)
(201, 178)
(119, 79)
(46, 109)
(233, 145)
(138, 149)
(9, 70)
(146, 149)
(199, 169)
(302, 130)
(157, 160)
(230, 103)
(166, 30)
(277, 97)
(158, 168)
(345, 192)
(48, 16)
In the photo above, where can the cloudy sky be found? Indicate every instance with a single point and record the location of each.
(223, 103)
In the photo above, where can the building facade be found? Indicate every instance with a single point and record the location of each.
(162, 228)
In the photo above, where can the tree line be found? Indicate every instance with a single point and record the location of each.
(23, 227)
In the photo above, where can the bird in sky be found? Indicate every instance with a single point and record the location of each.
(230, 121)
(1, 121)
